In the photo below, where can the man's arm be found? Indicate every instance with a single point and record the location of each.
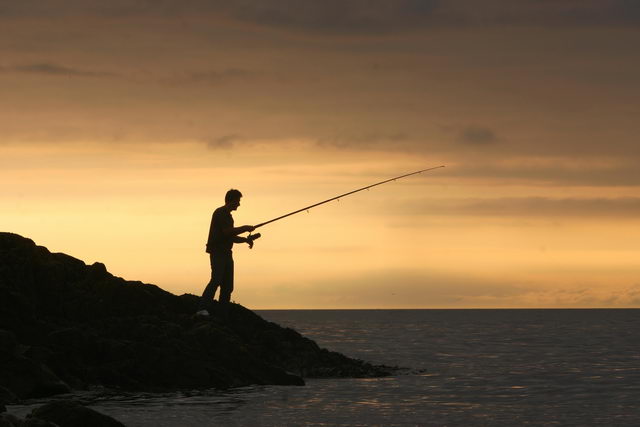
(249, 240)
(234, 231)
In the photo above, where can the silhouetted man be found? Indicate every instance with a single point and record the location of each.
(222, 236)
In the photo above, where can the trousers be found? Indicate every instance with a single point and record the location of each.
(221, 276)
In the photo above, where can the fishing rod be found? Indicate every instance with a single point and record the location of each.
(342, 195)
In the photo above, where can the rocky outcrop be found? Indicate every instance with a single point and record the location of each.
(68, 413)
(63, 413)
(66, 325)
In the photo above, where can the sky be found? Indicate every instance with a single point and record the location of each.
(123, 124)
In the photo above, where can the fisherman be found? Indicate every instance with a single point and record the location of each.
(222, 236)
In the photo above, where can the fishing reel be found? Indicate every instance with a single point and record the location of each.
(251, 238)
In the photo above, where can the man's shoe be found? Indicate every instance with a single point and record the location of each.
(202, 313)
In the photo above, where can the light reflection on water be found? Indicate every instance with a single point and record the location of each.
(486, 367)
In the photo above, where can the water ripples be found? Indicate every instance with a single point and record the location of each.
(462, 367)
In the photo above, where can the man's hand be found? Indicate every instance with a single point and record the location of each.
(250, 239)
(246, 228)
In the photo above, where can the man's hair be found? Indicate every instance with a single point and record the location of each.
(232, 194)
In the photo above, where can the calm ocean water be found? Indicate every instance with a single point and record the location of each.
(463, 367)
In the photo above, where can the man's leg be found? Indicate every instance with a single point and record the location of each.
(226, 287)
(210, 291)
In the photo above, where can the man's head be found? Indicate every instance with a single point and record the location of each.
(232, 199)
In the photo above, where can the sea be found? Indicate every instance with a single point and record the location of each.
(458, 368)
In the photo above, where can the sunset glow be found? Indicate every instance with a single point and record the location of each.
(123, 127)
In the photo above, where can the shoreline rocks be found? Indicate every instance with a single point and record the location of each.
(65, 325)
(61, 413)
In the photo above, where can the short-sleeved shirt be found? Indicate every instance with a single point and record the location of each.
(218, 243)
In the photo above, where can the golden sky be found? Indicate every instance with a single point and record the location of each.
(123, 123)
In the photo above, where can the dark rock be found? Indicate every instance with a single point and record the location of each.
(29, 379)
(37, 422)
(65, 323)
(8, 343)
(8, 420)
(7, 397)
(67, 413)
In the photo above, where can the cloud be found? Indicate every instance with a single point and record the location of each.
(624, 207)
(586, 296)
(327, 16)
(337, 16)
(402, 288)
(424, 289)
(375, 17)
(383, 16)
(53, 70)
(224, 142)
(349, 17)
(498, 94)
(553, 171)
(478, 135)
(362, 140)
(214, 77)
